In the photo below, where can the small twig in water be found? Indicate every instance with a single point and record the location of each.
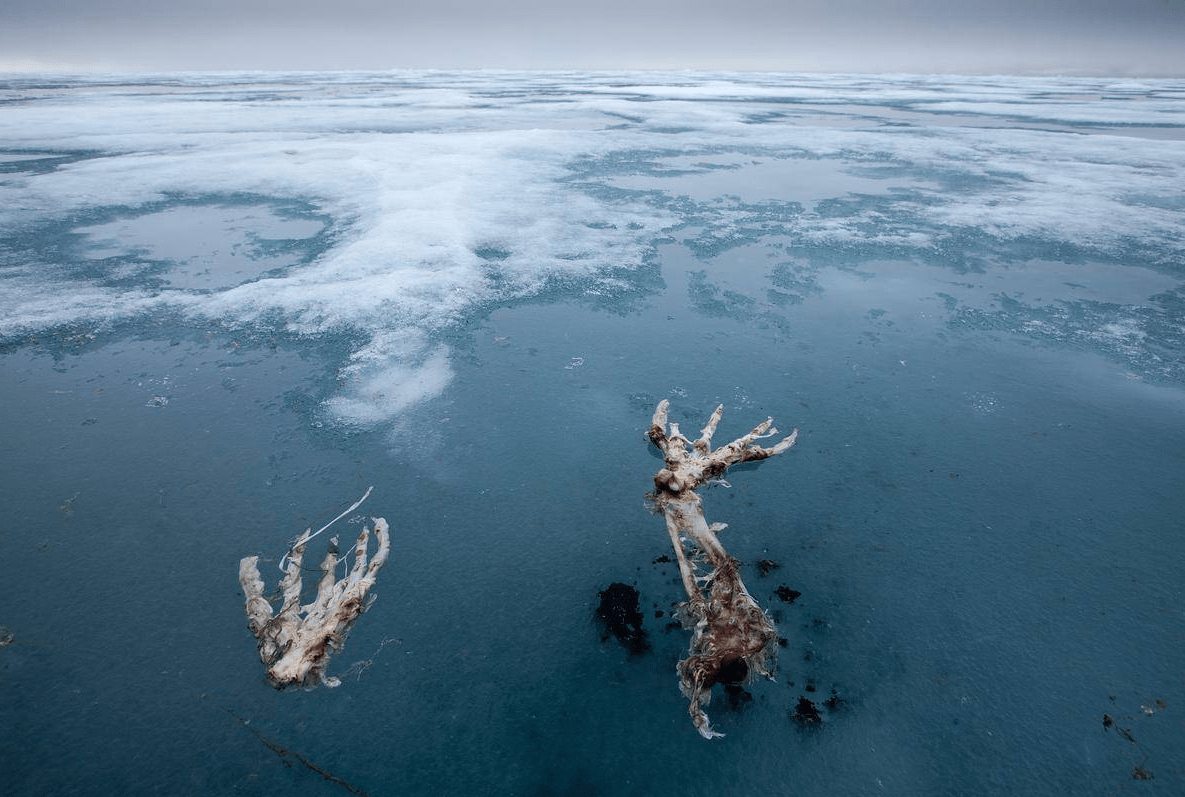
(285, 754)
(357, 668)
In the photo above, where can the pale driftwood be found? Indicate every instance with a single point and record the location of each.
(296, 643)
(733, 640)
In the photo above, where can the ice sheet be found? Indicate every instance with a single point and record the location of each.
(416, 175)
(230, 303)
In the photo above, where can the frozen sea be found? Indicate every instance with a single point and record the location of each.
(229, 303)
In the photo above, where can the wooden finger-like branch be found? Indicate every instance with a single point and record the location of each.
(732, 640)
(295, 643)
(691, 465)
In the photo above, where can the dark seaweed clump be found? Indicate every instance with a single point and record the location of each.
(787, 594)
(806, 713)
(619, 616)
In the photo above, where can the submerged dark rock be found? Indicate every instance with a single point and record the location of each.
(619, 615)
(767, 566)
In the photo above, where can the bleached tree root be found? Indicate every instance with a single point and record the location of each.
(733, 641)
(296, 643)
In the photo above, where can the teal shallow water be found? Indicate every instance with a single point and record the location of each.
(985, 538)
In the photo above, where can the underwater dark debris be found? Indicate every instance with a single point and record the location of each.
(786, 594)
(835, 702)
(619, 616)
(1123, 728)
(806, 713)
(767, 566)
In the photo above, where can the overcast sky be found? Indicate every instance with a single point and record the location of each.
(1081, 37)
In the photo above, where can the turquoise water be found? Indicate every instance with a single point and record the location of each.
(231, 303)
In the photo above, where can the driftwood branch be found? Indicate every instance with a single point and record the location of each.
(732, 640)
(295, 644)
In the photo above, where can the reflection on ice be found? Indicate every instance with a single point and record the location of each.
(428, 198)
(8, 159)
(754, 179)
(198, 247)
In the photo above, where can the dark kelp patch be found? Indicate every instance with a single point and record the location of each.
(619, 616)
(786, 594)
(1123, 728)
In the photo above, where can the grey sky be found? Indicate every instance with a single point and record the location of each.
(1093, 37)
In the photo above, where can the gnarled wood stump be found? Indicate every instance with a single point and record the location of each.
(732, 639)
